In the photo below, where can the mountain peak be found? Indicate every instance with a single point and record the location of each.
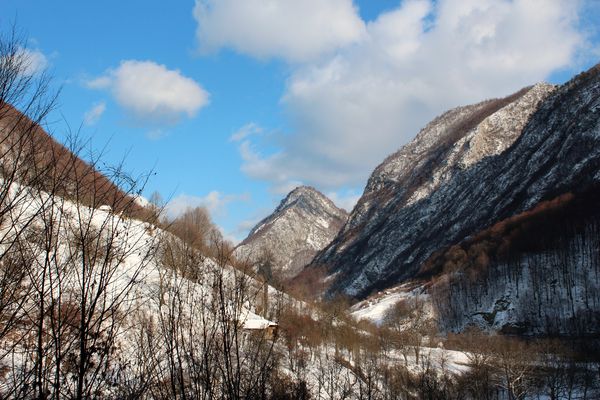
(302, 224)
(300, 192)
(307, 197)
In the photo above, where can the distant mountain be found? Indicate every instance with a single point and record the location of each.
(303, 223)
(486, 166)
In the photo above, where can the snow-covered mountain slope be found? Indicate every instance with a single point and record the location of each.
(303, 223)
(536, 273)
(71, 274)
(466, 170)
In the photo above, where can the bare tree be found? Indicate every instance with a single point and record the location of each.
(196, 228)
(70, 254)
(202, 350)
(87, 261)
(514, 361)
(25, 101)
(480, 381)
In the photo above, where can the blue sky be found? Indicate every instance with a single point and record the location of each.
(233, 102)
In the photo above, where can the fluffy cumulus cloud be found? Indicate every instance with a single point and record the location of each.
(151, 91)
(215, 202)
(290, 29)
(351, 109)
(94, 114)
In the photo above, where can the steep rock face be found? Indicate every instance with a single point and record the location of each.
(467, 169)
(303, 223)
(452, 142)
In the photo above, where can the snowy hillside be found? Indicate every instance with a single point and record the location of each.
(377, 307)
(102, 287)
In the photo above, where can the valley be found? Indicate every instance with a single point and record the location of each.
(468, 268)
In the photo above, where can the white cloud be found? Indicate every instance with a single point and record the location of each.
(156, 134)
(152, 91)
(93, 115)
(245, 131)
(290, 29)
(34, 61)
(102, 82)
(351, 109)
(257, 167)
(215, 202)
(347, 201)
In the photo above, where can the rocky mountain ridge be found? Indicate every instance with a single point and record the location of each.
(451, 142)
(302, 224)
(467, 169)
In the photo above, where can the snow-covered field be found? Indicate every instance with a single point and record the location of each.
(375, 308)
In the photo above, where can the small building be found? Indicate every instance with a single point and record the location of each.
(259, 325)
